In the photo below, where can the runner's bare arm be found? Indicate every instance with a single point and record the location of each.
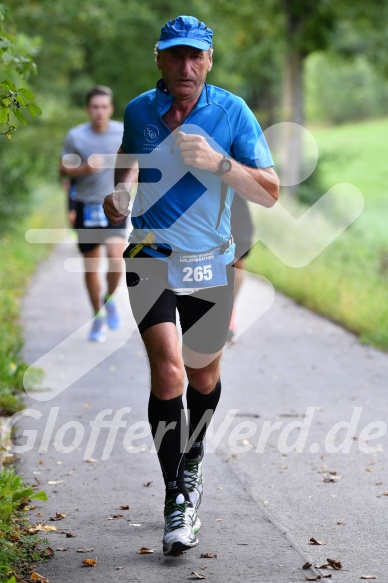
(125, 176)
(259, 185)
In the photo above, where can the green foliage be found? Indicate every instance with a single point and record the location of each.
(18, 547)
(16, 59)
(19, 261)
(339, 90)
(348, 281)
(17, 167)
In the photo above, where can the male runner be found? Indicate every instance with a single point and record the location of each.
(194, 144)
(90, 184)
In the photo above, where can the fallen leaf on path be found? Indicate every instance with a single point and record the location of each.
(58, 516)
(219, 519)
(119, 568)
(124, 507)
(314, 541)
(91, 460)
(39, 514)
(337, 565)
(198, 575)
(49, 552)
(63, 549)
(36, 577)
(385, 493)
(316, 578)
(332, 479)
(87, 405)
(368, 577)
(369, 470)
(324, 566)
(90, 562)
(307, 566)
(145, 551)
(147, 484)
(340, 522)
(85, 550)
(70, 534)
(327, 576)
(41, 527)
(208, 556)
(115, 516)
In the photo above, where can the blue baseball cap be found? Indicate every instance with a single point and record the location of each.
(185, 30)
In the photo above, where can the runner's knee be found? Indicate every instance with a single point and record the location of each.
(167, 377)
(203, 381)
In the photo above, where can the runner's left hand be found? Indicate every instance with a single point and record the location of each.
(196, 151)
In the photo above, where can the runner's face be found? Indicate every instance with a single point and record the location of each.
(184, 71)
(100, 110)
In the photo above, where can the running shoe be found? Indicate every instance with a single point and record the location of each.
(97, 334)
(180, 517)
(113, 317)
(193, 480)
(230, 338)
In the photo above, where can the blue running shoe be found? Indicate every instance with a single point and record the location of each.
(97, 334)
(113, 317)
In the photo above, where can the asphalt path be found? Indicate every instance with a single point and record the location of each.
(296, 388)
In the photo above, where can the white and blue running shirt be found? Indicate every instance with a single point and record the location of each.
(186, 208)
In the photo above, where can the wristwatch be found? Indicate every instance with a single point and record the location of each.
(224, 166)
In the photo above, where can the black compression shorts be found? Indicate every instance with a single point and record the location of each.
(204, 315)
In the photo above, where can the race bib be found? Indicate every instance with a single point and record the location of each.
(192, 271)
(94, 215)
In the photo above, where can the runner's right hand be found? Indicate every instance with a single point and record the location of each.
(116, 206)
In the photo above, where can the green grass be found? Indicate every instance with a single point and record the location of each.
(18, 262)
(18, 547)
(348, 282)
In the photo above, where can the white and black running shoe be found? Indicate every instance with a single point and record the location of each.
(180, 517)
(193, 480)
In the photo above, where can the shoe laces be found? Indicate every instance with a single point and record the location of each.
(175, 515)
(192, 473)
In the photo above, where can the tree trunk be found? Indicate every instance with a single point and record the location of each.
(293, 99)
(293, 115)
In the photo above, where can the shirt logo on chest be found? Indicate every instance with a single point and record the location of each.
(151, 133)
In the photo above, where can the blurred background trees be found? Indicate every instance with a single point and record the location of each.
(305, 61)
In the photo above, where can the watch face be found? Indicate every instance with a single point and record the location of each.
(225, 166)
